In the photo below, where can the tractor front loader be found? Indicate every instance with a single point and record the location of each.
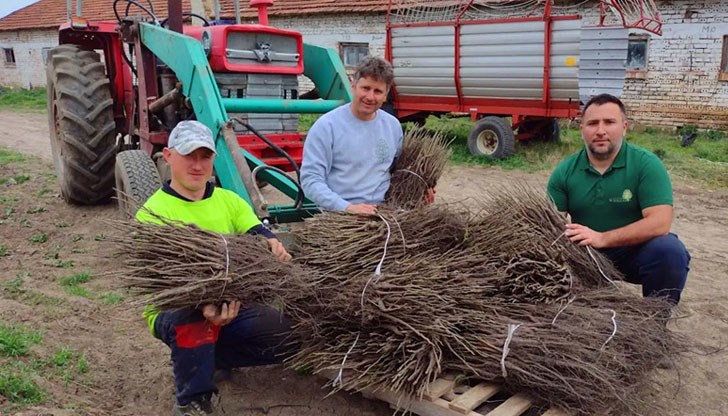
(116, 90)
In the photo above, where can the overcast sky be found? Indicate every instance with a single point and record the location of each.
(9, 6)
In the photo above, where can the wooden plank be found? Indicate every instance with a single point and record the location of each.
(474, 397)
(513, 406)
(555, 412)
(438, 387)
(437, 407)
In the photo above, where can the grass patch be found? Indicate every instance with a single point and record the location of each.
(72, 284)
(23, 99)
(111, 298)
(39, 238)
(8, 156)
(15, 340)
(4, 250)
(704, 163)
(18, 388)
(35, 210)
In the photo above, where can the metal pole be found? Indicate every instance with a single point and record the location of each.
(69, 7)
(217, 10)
(237, 11)
(174, 8)
(78, 8)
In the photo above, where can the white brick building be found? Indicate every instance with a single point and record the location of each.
(678, 78)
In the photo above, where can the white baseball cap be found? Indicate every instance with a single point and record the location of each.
(188, 136)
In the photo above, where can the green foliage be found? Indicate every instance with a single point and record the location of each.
(36, 210)
(72, 284)
(15, 340)
(705, 162)
(305, 121)
(39, 238)
(8, 156)
(18, 387)
(63, 224)
(77, 237)
(3, 251)
(111, 298)
(16, 180)
(99, 237)
(23, 99)
(62, 357)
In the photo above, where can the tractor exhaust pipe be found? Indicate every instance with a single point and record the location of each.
(262, 6)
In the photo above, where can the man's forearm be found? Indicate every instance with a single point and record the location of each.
(638, 232)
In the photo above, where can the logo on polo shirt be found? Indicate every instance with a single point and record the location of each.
(626, 197)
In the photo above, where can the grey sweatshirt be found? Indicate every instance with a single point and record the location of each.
(347, 160)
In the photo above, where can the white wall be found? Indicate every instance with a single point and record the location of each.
(29, 69)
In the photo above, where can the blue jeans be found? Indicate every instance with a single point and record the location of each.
(257, 336)
(660, 265)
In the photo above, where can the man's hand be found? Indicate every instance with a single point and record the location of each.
(430, 196)
(362, 209)
(276, 247)
(585, 236)
(222, 315)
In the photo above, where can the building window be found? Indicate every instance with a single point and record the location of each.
(723, 74)
(637, 52)
(353, 53)
(9, 55)
(44, 53)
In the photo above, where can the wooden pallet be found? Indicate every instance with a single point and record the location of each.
(447, 397)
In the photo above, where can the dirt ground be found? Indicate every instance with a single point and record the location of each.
(129, 371)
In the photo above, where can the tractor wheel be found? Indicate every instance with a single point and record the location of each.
(81, 124)
(136, 180)
(491, 136)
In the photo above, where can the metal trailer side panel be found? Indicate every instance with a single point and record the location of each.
(423, 60)
(517, 52)
(603, 61)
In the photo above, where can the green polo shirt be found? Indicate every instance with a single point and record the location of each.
(636, 180)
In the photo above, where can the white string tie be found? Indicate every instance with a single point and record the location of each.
(589, 250)
(561, 310)
(340, 377)
(511, 330)
(614, 332)
(378, 271)
(416, 174)
(227, 255)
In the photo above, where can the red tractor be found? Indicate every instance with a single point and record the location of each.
(116, 89)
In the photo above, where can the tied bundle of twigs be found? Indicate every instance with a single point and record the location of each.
(588, 354)
(417, 168)
(347, 246)
(182, 266)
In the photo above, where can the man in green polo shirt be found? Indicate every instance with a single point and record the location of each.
(210, 337)
(619, 197)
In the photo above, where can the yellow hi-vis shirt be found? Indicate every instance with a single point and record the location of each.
(223, 212)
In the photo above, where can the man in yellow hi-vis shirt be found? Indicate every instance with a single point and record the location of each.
(211, 337)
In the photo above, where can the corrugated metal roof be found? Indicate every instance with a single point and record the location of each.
(52, 13)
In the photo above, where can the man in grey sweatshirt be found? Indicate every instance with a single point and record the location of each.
(349, 151)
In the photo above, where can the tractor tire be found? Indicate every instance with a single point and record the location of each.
(136, 180)
(491, 136)
(81, 124)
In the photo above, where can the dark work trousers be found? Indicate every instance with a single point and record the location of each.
(257, 336)
(660, 265)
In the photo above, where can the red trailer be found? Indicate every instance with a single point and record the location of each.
(497, 59)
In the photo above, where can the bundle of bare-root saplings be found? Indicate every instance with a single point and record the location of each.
(396, 299)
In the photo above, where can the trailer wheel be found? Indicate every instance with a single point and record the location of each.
(552, 131)
(81, 124)
(136, 180)
(491, 136)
